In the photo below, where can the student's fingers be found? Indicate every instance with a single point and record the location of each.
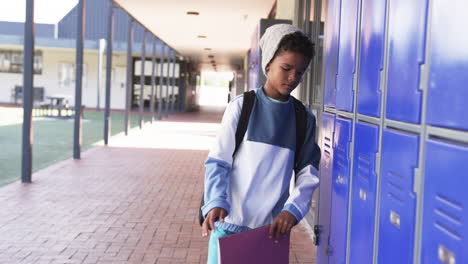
(222, 214)
(205, 228)
(211, 223)
(287, 228)
(284, 228)
(278, 231)
(271, 230)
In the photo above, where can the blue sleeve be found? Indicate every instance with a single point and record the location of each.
(216, 182)
(310, 152)
(306, 173)
(219, 162)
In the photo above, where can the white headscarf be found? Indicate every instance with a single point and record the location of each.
(270, 40)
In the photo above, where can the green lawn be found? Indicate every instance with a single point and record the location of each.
(53, 139)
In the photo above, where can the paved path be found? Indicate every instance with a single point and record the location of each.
(134, 201)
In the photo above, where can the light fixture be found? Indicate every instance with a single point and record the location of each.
(201, 36)
(192, 13)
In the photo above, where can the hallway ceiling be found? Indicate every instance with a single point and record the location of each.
(227, 24)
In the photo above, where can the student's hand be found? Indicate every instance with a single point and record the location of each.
(281, 225)
(216, 213)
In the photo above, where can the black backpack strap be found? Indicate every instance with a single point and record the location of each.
(247, 105)
(301, 129)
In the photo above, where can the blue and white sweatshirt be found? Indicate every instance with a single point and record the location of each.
(253, 187)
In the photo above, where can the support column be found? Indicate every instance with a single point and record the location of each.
(161, 77)
(142, 78)
(128, 91)
(102, 48)
(153, 80)
(77, 132)
(174, 60)
(110, 44)
(28, 84)
(167, 75)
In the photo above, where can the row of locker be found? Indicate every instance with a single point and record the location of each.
(444, 230)
(352, 22)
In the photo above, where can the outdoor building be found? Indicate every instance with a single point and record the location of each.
(104, 157)
(55, 56)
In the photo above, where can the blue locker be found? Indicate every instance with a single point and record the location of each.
(397, 199)
(347, 55)
(445, 218)
(448, 76)
(363, 194)
(407, 41)
(340, 189)
(372, 56)
(326, 169)
(331, 51)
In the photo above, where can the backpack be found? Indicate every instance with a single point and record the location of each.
(247, 105)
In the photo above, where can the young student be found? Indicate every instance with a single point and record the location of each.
(251, 190)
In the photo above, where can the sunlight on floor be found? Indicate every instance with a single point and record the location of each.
(169, 135)
(11, 116)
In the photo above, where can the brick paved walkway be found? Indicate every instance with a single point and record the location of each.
(132, 202)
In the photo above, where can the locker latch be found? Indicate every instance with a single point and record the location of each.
(316, 235)
(445, 255)
(328, 250)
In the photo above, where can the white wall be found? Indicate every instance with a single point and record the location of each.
(286, 9)
(50, 81)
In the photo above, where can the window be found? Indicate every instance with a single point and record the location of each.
(11, 61)
(66, 75)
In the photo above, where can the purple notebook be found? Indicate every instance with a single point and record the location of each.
(253, 246)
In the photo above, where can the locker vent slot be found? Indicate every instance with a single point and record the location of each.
(391, 173)
(365, 169)
(443, 199)
(395, 186)
(395, 197)
(364, 177)
(446, 215)
(452, 233)
(340, 164)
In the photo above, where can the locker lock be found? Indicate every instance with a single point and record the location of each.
(445, 255)
(339, 179)
(362, 194)
(395, 219)
(316, 234)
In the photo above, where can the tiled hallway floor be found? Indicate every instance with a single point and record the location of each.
(134, 201)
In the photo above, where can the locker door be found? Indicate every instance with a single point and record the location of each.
(363, 194)
(407, 41)
(397, 200)
(445, 218)
(347, 55)
(340, 190)
(331, 51)
(448, 76)
(372, 55)
(326, 169)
